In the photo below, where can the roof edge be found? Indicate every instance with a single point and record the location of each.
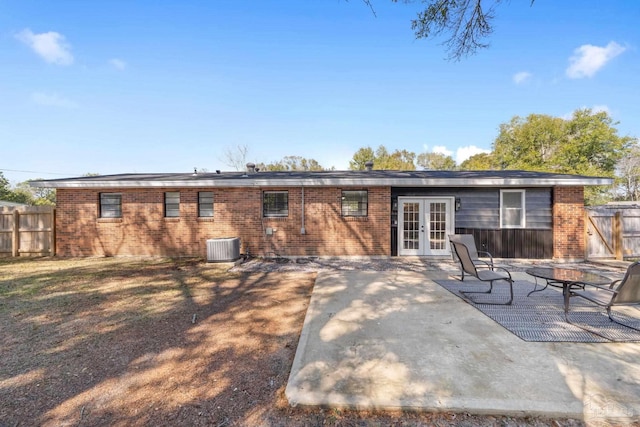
(253, 181)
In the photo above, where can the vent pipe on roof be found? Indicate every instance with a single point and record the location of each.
(369, 165)
(251, 168)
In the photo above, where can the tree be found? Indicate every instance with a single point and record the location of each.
(436, 161)
(467, 23)
(529, 144)
(398, 160)
(594, 146)
(237, 158)
(35, 195)
(360, 157)
(5, 189)
(586, 144)
(291, 163)
(382, 159)
(629, 175)
(478, 162)
(9, 195)
(25, 193)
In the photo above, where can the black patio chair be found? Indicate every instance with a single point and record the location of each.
(484, 274)
(474, 253)
(618, 293)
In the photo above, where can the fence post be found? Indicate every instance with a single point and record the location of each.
(617, 235)
(585, 237)
(53, 232)
(15, 241)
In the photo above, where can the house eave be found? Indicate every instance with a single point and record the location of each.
(253, 181)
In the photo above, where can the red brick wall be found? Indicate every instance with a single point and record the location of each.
(143, 230)
(568, 223)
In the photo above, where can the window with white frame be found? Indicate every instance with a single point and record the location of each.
(172, 204)
(110, 205)
(355, 203)
(275, 203)
(205, 204)
(512, 209)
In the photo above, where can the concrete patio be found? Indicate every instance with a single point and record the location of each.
(396, 339)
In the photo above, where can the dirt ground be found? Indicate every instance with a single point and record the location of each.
(159, 342)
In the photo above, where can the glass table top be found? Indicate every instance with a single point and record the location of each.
(568, 275)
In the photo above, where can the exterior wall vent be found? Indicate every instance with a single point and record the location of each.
(223, 250)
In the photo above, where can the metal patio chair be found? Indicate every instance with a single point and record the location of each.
(484, 274)
(474, 253)
(618, 293)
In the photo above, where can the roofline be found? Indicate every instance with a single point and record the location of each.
(252, 181)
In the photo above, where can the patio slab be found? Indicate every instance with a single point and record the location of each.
(397, 340)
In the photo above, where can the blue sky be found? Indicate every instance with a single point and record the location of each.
(159, 86)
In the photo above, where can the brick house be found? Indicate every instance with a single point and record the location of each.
(512, 214)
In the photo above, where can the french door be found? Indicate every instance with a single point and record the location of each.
(424, 224)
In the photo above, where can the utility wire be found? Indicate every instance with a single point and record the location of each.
(39, 173)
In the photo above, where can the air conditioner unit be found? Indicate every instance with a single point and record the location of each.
(223, 250)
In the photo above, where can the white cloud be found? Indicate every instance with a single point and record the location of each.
(52, 100)
(588, 59)
(50, 46)
(463, 153)
(521, 77)
(118, 64)
(442, 150)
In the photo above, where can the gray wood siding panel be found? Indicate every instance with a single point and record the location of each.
(538, 205)
(478, 209)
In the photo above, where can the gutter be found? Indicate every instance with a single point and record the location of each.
(328, 182)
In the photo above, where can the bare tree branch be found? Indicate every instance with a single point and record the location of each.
(467, 22)
(236, 158)
(368, 3)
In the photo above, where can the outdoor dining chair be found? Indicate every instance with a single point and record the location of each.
(467, 239)
(484, 274)
(619, 293)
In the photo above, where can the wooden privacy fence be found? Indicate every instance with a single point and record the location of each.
(27, 231)
(613, 232)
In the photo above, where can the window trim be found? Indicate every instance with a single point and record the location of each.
(208, 204)
(355, 213)
(267, 213)
(166, 203)
(102, 205)
(523, 208)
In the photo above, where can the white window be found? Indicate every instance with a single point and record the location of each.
(512, 209)
(354, 203)
(110, 205)
(275, 203)
(205, 204)
(172, 204)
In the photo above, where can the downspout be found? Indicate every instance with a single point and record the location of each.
(302, 230)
